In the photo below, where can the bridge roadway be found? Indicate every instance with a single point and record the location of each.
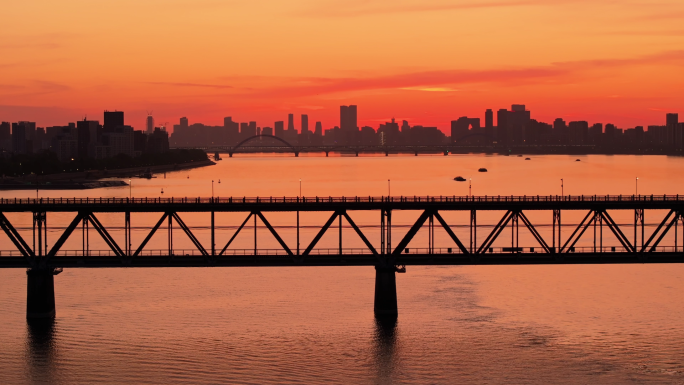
(43, 262)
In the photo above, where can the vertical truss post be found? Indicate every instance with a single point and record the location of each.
(389, 232)
(170, 234)
(638, 220)
(297, 232)
(431, 232)
(473, 230)
(383, 248)
(255, 234)
(127, 232)
(600, 218)
(340, 225)
(86, 238)
(556, 234)
(213, 236)
(40, 230)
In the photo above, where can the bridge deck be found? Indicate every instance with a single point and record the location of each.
(245, 204)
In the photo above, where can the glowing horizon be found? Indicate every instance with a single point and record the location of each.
(428, 62)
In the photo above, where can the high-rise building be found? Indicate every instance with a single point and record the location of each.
(305, 124)
(290, 122)
(184, 122)
(112, 120)
(279, 128)
(84, 137)
(149, 124)
(348, 118)
(21, 131)
(518, 120)
(502, 126)
(319, 129)
(5, 136)
(672, 123)
(489, 118)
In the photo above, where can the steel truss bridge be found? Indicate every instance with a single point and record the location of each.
(273, 144)
(44, 260)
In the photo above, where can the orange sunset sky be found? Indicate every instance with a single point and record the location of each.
(427, 61)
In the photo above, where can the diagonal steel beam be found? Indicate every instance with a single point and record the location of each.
(534, 232)
(581, 227)
(320, 233)
(358, 231)
(657, 242)
(235, 235)
(451, 233)
(657, 231)
(617, 232)
(105, 235)
(65, 235)
(495, 232)
(412, 232)
(16, 238)
(190, 235)
(149, 236)
(275, 234)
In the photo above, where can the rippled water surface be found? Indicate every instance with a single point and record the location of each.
(486, 324)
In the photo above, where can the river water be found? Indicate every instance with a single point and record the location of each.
(485, 324)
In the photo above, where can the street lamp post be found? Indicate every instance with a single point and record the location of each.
(130, 189)
(470, 187)
(637, 186)
(389, 188)
(212, 189)
(562, 189)
(300, 187)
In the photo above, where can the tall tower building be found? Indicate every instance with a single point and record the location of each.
(149, 124)
(290, 122)
(112, 120)
(489, 118)
(319, 129)
(305, 124)
(672, 123)
(348, 118)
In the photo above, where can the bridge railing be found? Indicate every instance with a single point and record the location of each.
(355, 199)
(345, 251)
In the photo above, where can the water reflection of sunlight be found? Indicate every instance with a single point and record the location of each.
(386, 353)
(41, 350)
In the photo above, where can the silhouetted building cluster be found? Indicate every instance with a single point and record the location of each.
(84, 139)
(515, 127)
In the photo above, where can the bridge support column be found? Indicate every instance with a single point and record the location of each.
(326, 154)
(40, 293)
(385, 292)
(296, 154)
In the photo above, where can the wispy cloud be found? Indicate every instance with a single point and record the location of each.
(199, 85)
(349, 8)
(448, 80)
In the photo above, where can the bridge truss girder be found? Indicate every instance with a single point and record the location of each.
(39, 255)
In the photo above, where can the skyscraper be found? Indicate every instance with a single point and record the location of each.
(348, 118)
(319, 129)
(489, 118)
(279, 128)
(112, 120)
(502, 126)
(305, 124)
(672, 123)
(290, 122)
(150, 124)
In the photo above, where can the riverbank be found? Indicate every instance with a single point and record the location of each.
(91, 179)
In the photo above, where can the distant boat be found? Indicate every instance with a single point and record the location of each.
(527, 158)
(459, 179)
(577, 160)
(520, 156)
(482, 170)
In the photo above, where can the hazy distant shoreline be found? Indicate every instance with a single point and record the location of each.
(91, 179)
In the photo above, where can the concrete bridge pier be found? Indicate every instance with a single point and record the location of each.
(385, 292)
(40, 293)
(326, 153)
(296, 154)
